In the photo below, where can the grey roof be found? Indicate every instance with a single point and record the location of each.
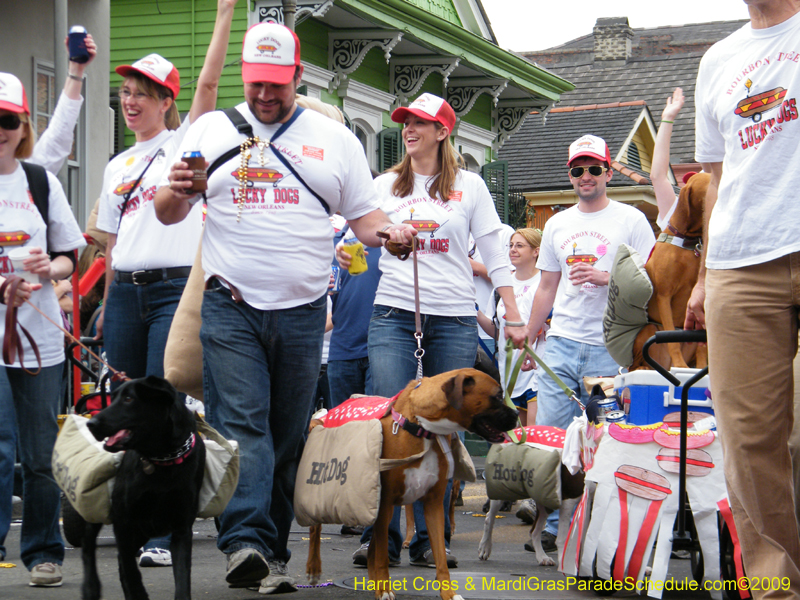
(662, 59)
(537, 154)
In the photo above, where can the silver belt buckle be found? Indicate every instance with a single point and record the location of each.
(133, 278)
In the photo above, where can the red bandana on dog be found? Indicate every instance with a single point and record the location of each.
(358, 409)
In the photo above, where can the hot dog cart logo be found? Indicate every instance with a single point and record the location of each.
(124, 188)
(428, 226)
(259, 174)
(754, 107)
(575, 258)
(13, 238)
(268, 46)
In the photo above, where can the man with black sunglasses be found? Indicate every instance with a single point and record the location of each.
(577, 252)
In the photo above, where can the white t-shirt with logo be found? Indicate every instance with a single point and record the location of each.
(22, 225)
(571, 236)
(747, 115)
(446, 285)
(524, 292)
(279, 252)
(144, 242)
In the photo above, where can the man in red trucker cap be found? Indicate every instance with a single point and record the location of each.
(267, 250)
(576, 256)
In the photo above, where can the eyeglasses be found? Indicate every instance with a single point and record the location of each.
(594, 170)
(138, 96)
(519, 246)
(10, 122)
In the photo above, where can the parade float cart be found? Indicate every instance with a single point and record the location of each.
(655, 484)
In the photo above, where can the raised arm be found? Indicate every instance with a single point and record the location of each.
(205, 97)
(659, 175)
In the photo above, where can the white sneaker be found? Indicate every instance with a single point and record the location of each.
(527, 511)
(155, 557)
(278, 581)
(46, 575)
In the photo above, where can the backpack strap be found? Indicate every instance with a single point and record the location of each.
(39, 187)
(246, 129)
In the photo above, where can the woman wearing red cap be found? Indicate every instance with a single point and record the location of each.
(149, 263)
(445, 203)
(29, 404)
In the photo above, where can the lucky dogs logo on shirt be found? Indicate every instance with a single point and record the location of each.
(136, 199)
(428, 244)
(754, 107)
(264, 196)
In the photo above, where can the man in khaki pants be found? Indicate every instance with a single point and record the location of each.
(750, 280)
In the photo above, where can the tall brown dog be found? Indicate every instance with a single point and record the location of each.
(673, 268)
(460, 400)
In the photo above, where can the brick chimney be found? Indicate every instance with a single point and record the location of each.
(612, 39)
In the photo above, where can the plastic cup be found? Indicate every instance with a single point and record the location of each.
(358, 262)
(77, 44)
(17, 255)
(570, 290)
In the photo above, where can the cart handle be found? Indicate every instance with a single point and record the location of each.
(676, 336)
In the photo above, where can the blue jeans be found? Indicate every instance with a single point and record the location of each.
(260, 370)
(449, 343)
(29, 409)
(571, 361)
(136, 325)
(348, 377)
(135, 330)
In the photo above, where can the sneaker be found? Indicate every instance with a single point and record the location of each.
(459, 499)
(360, 557)
(506, 506)
(426, 560)
(246, 568)
(155, 557)
(527, 511)
(46, 575)
(278, 581)
(548, 542)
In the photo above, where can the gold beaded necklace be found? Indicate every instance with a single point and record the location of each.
(245, 154)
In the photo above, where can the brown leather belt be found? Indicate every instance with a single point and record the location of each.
(144, 277)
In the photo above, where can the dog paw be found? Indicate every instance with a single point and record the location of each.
(484, 551)
(388, 596)
(313, 578)
(547, 562)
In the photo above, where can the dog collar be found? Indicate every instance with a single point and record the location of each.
(412, 428)
(676, 238)
(175, 458)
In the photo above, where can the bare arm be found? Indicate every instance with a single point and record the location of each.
(659, 175)
(695, 310)
(479, 270)
(365, 228)
(205, 97)
(171, 203)
(487, 324)
(72, 87)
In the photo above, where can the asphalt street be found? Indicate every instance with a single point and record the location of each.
(508, 566)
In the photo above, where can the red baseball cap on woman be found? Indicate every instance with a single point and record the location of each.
(429, 108)
(12, 94)
(157, 68)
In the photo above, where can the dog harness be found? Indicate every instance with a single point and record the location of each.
(176, 458)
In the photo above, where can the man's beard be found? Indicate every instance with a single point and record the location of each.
(283, 112)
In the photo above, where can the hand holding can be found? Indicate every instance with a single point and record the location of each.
(358, 263)
(197, 164)
(77, 45)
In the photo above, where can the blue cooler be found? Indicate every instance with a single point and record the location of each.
(647, 397)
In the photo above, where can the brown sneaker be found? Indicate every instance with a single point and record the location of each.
(46, 575)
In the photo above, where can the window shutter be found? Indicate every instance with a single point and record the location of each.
(495, 174)
(389, 145)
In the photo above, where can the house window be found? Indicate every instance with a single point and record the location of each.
(634, 160)
(45, 96)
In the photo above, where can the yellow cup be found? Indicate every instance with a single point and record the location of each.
(87, 388)
(358, 262)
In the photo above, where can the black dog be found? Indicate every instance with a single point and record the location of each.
(157, 485)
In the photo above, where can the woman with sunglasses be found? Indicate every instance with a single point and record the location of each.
(29, 404)
(147, 264)
(431, 191)
(523, 252)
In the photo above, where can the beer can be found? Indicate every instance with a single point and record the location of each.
(616, 416)
(76, 41)
(337, 279)
(197, 164)
(355, 249)
(606, 406)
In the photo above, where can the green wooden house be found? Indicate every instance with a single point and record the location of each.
(367, 57)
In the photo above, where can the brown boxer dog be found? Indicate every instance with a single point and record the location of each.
(461, 400)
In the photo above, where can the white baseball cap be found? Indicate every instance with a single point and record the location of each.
(429, 108)
(12, 94)
(157, 68)
(270, 53)
(589, 145)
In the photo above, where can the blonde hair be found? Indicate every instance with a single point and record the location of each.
(25, 147)
(532, 236)
(172, 120)
(450, 162)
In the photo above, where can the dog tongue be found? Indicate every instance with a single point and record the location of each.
(117, 437)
